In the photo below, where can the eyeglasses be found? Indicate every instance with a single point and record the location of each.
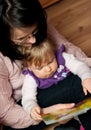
(25, 39)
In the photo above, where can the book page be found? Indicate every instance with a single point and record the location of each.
(65, 114)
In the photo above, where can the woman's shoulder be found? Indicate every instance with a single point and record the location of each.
(7, 66)
(3, 66)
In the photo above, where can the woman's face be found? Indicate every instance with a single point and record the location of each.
(24, 36)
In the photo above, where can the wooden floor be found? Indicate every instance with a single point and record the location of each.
(72, 18)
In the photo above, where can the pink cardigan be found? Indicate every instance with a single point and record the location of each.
(11, 80)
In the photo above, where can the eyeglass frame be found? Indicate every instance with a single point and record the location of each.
(27, 37)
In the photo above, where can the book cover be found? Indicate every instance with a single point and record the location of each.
(65, 114)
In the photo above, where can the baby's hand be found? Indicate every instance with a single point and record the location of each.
(86, 85)
(36, 113)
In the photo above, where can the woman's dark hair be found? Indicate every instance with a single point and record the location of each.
(18, 14)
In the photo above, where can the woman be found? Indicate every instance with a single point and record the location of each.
(22, 23)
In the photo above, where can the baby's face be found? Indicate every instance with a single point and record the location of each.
(47, 69)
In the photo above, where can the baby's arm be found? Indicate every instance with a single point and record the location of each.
(29, 101)
(79, 68)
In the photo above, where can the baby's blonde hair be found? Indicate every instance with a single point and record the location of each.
(38, 54)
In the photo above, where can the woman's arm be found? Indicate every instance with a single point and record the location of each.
(57, 107)
(11, 114)
(70, 48)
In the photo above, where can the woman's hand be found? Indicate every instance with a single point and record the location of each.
(57, 107)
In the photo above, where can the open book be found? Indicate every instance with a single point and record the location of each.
(62, 115)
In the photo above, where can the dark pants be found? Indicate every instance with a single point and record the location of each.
(66, 91)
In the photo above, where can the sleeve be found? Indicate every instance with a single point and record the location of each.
(29, 92)
(70, 48)
(76, 66)
(11, 114)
